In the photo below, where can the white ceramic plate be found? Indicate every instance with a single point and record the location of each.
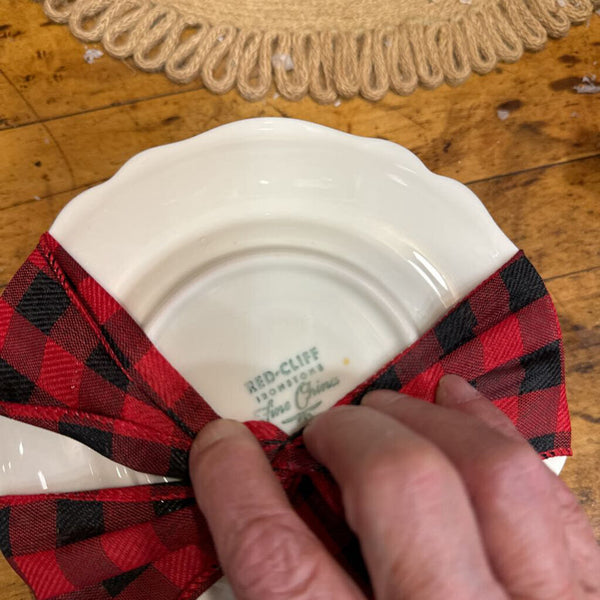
(275, 263)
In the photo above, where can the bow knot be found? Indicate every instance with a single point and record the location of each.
(74, 362)
(288, 455)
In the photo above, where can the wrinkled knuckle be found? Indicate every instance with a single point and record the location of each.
(514, 466)
(571, 510)
(393, 471)
(425, 469)
(271, 556)
(376, 468)
(428, 465)
(430, 477)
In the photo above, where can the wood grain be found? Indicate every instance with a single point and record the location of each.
(66, 124)
(551, 213)
(577, 301)
(11, 585)
(21, 226)
(81, 149)
(456, 131)
(13, 109)
(43, 60)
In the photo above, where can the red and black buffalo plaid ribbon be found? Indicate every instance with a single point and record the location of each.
(74, 362)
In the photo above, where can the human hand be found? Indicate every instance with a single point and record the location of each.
(448, 502)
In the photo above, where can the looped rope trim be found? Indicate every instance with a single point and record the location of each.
(327, 65)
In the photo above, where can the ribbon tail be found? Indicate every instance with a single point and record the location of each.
(116, 543)
(317, 500)
(505, 339)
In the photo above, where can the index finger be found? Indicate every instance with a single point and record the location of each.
(407, 505)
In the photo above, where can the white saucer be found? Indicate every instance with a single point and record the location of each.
(275, 263)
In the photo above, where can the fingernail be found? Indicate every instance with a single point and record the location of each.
(310, 424)
(453, 390)
(217, 430)
(381, 398)
(325, 415)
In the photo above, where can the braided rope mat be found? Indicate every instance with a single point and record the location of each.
(332, 49)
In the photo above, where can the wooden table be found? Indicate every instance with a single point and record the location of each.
(66, 125)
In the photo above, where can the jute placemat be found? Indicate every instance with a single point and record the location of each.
(328, 49)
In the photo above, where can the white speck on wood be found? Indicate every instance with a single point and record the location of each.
(561, 3)
(587, 85)
(337, 103)
(36, 198)
(275, 96)
(91, 54)
(574, 115)
(503, 114)
(282, 60)
(465, 1)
